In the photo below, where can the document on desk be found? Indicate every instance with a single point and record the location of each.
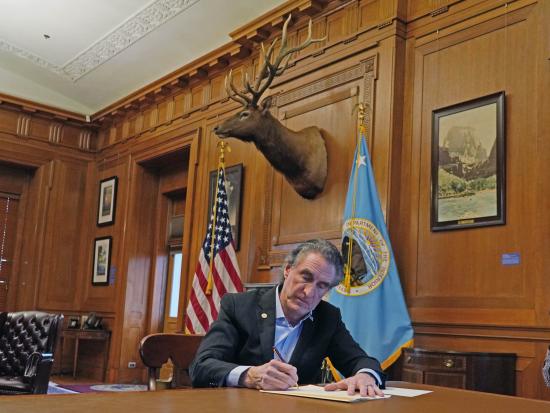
(317, 392)
(400, 391)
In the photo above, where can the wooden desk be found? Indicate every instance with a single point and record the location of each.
(77, 335)
(443, 400)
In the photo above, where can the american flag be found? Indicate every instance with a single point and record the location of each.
(203, 306)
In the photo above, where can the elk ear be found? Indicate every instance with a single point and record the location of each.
(265, 105)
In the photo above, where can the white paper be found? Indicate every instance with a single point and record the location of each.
(400, 391)
(317, 392)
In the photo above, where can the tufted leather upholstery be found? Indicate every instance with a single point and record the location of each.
(27, 343)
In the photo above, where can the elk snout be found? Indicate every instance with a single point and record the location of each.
(220, 132)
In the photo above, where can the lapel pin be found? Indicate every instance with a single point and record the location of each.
(264, 316)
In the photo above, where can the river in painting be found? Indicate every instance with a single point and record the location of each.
(479, 204)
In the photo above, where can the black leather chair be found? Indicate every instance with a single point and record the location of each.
(27, 343)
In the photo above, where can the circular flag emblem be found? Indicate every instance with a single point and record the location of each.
(370, 256)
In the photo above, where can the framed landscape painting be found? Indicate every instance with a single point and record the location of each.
(102, 261)
(468, 164)
(107, 201)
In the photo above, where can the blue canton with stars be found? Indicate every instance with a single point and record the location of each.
(222, 231)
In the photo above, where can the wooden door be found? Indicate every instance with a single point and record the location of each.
(9, 204)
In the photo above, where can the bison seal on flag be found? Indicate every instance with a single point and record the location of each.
(370, 256)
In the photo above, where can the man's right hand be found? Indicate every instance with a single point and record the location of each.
(274, 375)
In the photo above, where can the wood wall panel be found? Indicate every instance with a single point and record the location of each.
(61, 274)
(197, 97)
(327, 102)
(71, 135)
(103, 298)
(179, 104)
(49, 263)
(39, 127)
(441, 272)
(134, 269)
(9, 121)
(33, 235)
(456, 288)
(324, 217)
(336, 27)
(14, 181)
(368, 13)
(164, 111)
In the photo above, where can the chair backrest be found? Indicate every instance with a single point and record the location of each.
(156, 349)
(24, 333)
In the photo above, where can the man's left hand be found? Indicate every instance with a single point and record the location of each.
(364, 382)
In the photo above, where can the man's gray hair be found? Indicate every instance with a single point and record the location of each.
(322, 247)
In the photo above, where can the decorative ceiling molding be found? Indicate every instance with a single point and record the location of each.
(137, 26)
(5, 46)
(130, 31)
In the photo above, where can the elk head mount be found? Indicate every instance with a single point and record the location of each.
(301, 156)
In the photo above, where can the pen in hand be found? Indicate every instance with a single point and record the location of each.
(281, 358)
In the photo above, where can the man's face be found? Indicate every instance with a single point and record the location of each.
(305, 284)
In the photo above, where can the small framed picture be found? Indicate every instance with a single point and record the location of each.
(83, 320)
(74, 322)
(468, 164)
(102, 261)
(107, 201)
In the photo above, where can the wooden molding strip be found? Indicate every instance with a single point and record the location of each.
(528, 333)
(481, 335)
(272, 18)
(33, 107)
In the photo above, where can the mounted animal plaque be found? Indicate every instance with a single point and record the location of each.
(301, 156)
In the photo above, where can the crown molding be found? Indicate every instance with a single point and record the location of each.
(6, 46)
(130, 31)
(50, 111)
(243, 40)
(275, 18)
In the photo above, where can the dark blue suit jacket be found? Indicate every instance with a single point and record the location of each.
(244, 334)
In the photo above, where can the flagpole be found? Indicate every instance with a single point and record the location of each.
(221, 165)
(362, 130)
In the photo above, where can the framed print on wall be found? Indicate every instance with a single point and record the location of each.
(233, 186)
(107, 201)
(102, 261)
(468, 164)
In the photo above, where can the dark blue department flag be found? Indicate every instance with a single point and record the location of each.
(217, 270)
(370, 297)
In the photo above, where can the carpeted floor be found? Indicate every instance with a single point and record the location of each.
(54, 388)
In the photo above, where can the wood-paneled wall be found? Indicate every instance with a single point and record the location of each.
(460, 295)
(403, 59)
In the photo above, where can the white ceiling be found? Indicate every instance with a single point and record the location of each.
(100, 51)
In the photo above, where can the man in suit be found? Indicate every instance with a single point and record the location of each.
(258, 331)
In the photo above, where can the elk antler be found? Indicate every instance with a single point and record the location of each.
(269, 70)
